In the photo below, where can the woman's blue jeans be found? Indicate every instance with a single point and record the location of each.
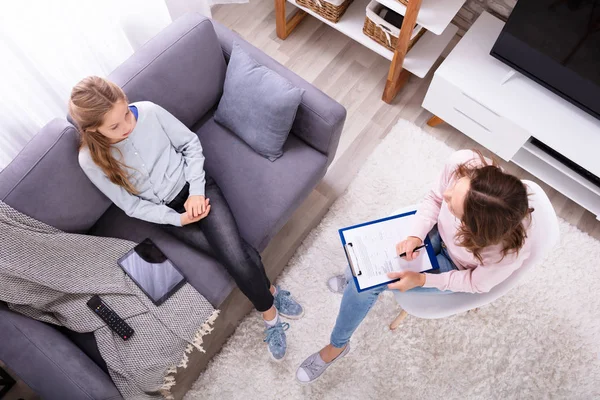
(355, 305)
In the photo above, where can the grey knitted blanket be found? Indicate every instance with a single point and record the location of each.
(49, 275)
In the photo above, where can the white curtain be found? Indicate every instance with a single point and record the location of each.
(179, 7)
(48, 46)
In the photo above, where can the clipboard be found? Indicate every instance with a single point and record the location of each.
(350, 249)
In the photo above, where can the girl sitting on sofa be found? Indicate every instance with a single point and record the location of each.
(152, 167)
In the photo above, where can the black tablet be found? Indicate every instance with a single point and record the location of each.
(152, 271)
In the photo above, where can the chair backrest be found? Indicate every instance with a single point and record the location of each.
(544, 225)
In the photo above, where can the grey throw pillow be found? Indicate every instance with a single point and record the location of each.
(258, 104)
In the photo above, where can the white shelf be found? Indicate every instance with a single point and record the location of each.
(427, 50)
(562, 168)
(351, 24)
(434, 15)
(420, 58)
(560, 178)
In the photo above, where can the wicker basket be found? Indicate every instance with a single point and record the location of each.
(331, 10)
(383, 32)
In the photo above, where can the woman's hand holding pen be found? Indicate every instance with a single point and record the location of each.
(407, 246)
(196, 207)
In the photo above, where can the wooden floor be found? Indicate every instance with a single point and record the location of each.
(355, 76)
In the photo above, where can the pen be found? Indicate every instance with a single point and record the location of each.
(415, 249)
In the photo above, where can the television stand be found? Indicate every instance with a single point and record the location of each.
(566, 162)
(516, 118)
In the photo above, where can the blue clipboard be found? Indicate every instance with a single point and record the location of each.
(345, 245)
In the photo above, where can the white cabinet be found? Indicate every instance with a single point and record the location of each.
(473, 117)
(472, 92)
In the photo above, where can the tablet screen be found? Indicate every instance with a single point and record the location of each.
(152, 271)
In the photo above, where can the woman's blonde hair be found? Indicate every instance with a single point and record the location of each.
(495, 207)
(91, 99)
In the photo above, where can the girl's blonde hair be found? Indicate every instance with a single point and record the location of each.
(91, 99)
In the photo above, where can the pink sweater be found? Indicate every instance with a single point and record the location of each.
(471, 277)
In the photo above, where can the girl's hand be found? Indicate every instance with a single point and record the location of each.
(408, 280)
(195, 206)
(407, 246)
(185, 219)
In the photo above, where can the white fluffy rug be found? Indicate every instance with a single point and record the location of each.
(541, 341)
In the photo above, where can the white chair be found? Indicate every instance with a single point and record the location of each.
(431, 306)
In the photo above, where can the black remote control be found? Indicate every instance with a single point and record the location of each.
(111, 318)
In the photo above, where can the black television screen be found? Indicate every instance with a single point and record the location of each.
(556, 43)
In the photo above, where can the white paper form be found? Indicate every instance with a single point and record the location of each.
(372, 250)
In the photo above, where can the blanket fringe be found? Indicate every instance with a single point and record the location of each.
(197, 340)
(168, 383)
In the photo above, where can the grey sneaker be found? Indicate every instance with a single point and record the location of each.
(276, 341)
(287, 306)
(337, 284)
(313, 367)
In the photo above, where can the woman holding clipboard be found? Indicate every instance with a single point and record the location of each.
(477, 218)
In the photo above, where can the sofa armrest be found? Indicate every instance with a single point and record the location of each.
(48, 362)
(320, 119)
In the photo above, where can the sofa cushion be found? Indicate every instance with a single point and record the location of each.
(45, 181)
(258, 104)
(87, 343)
(201, 270)
(319, 120)
(262, 194)
(182, 69)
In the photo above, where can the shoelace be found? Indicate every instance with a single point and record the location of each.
(311, 367)
(283, 296)
(283, 299)
(274, 333)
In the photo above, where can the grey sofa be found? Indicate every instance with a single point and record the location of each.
(183, 70)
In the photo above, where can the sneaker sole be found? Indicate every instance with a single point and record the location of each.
(319, 377)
